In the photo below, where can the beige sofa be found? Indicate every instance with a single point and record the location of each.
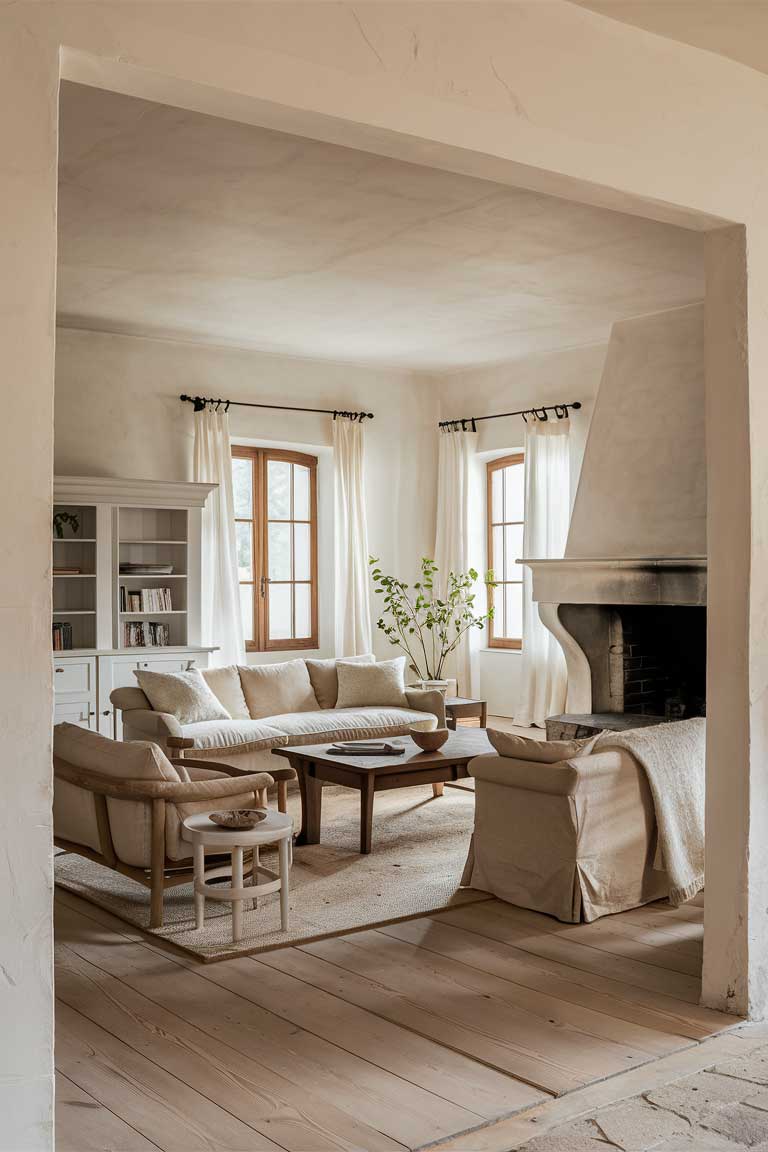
(123, 804)
(245, 742)
(575, 839)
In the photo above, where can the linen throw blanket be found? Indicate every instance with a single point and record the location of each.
(672, 756)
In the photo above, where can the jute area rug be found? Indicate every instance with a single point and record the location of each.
(419, 848)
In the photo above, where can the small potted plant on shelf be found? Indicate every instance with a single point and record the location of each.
(62, 518)
(424, 625)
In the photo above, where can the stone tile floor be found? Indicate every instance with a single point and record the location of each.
(723, 1109)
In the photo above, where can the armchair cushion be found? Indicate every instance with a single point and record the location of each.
(184, 695)
(137, 760)
(270, 689)
(325, 680)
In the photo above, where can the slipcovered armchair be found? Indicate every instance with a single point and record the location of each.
(576, 839)
(123, 804)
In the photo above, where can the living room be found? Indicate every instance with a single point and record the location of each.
(279, 355)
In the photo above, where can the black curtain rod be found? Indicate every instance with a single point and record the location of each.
(201, 401)
(560, 410)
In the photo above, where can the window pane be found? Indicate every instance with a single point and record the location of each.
(303, 612)
(246, 610)
(513, 611)
(244, 539)
(280, 624)
(278, 490)
(514, 550)
(280, 551)
(513, 492)
(300, 492)
(497, 492)
(242, 487)
(497, 560)
(301, 552)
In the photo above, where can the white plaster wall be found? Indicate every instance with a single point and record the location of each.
(118, 414)
(551, 378)
(643, 490)
(496, 89)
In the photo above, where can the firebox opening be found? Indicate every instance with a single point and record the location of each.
(647, 660)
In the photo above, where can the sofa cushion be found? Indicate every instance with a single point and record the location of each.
(363, 685)
(243, 735)
(350, 724)
(184, 695)
(226, 687)
(539, 751)
(134, 760)
(325, 680)
(272, 689)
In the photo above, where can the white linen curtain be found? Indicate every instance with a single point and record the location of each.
(221, 618)
(456, 449)
(547, 514)
(353, 611)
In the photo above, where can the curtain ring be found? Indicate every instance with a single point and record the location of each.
(543, 414)
(226, 406)
(474, 425)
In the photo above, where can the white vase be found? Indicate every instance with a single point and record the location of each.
(434, 686)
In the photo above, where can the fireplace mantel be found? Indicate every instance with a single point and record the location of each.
(620, 580)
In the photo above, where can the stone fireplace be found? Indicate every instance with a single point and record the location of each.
(633, 633)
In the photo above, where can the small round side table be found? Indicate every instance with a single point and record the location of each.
(203, 834)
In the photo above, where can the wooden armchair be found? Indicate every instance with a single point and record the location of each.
(123, 804)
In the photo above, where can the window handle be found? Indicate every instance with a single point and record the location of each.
(263, 586)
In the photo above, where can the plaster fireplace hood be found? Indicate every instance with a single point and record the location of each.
(628, 602)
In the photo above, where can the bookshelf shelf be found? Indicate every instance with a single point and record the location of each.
(74, 612)
(74, 539)
(149, 615)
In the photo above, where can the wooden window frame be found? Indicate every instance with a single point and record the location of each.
(260, 458)
(517, 458)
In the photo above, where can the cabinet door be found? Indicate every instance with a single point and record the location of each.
(79, 712)
(73, 676)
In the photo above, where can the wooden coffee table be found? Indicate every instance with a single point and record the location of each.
(314, 764)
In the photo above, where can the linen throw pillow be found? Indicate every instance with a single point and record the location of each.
(325, 680)
(184, 695)
(370, 685)
(226, 687)
(540, 751)
(273, 689)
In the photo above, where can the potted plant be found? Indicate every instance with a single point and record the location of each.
(425, 626)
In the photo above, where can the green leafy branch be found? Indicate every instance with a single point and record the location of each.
(424, 625)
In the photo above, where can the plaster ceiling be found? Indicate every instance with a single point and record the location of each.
(734, 28)
(179, 225)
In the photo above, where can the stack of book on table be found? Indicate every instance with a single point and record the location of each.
(367, 748)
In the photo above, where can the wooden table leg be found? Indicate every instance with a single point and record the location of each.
(199, 856)
(483, 714)
(437, 789)
(237, 905)
(366, 813)
(284, 882)
(311, 806)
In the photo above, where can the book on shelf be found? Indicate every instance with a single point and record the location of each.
(145, 634)
(145, 600)
(62, 636)
(59, 570)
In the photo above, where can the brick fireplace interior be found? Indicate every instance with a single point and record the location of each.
(644, 659)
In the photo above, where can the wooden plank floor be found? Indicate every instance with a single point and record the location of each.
(385, 1039)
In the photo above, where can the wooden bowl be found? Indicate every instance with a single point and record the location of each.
(238, 819)
(429, 741)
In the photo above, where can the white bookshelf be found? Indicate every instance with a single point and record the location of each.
(138, 522)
